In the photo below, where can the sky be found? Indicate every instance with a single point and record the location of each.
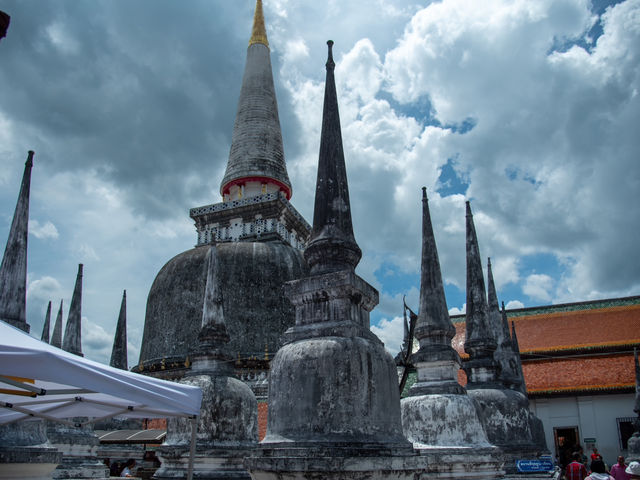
(529, 109)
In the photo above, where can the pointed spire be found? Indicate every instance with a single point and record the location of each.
(256, 153)
(332, 246)
(13, 270)
(505, 328)
(47, 324)
(212, 354)
(434, 329)
(259, 31)
(520, 382)
(480, 341)
(119, 351)
(433, 319)
(56, 337)
(493, 306)
(72, 341)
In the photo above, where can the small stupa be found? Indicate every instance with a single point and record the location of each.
(504, 412)
(334, 404)
(504, 355)
(13, 270)
(438, 417)
(46, 328)
(119, 350)
(24, 448)
(56, 336)
(79, 445)
(227, 428)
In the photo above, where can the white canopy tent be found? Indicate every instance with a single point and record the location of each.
(38, 380)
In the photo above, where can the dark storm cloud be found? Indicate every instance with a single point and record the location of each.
(143, 92)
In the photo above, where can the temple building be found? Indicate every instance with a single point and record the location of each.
(579, 371)
(258, 236)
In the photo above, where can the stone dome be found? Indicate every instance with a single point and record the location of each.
(255, 309)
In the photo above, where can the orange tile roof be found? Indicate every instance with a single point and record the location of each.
(603, 373)
(611, 326)
(576, 374)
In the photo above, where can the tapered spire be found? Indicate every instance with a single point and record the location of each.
(56, 337)
(119, 351)
(72, 341)
(212, 354)
(332, 246)
(520, 382)
(480, 340)
(256, 157)
(495, 320)
(434, 329)
(505, 328)
(482, 369)
(258, 32)
(47, 324)
(433, 320)
(500, 329)
(13, 270)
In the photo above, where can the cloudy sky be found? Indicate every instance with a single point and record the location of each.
(530, 109)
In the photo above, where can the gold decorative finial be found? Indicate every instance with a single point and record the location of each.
(259, 32)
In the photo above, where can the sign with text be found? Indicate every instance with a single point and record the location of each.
(535, 465)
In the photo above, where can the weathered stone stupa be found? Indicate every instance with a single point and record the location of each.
(505, 414)
(25, 451)
(438, 416)
(228, 423)
(504, 355)
(334, 406)
(258, 236)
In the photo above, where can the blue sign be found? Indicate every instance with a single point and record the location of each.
(537, 465)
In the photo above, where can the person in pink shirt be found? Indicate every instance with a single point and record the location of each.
(618, 470)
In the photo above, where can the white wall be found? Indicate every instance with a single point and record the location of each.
(594, 415)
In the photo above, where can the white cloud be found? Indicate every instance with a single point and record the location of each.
(539, 287)
(46, 230)
(513, 304)
(96, 342)
(458, 311)
(391, 332)
(295, 51)
(44, 288)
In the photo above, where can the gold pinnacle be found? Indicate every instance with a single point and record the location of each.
(259, 32)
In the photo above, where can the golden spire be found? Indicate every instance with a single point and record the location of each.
(259, 32)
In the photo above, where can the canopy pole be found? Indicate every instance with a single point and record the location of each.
(192, 449)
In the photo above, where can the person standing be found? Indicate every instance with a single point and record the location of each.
(576, 469)
(598, 471)
(595, 455)
(618, 470)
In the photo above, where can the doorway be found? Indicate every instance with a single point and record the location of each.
(566, 439)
